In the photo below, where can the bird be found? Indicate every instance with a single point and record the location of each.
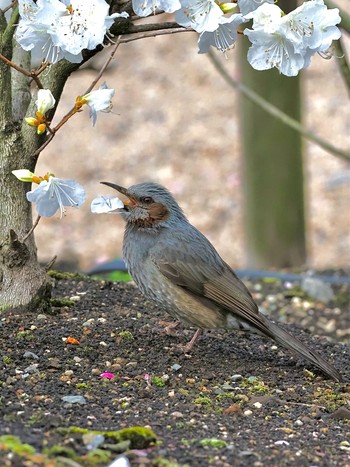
(175, 265)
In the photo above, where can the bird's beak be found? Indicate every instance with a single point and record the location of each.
(129, 201)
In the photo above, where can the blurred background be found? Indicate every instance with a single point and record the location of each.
(177, 122)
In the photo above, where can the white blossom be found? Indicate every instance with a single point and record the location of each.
(45, 101)
(288, 42)
(200, 15)
(99, 100)
(55, 194)
(148, 7)
(62, 29)
(24, 175)
(223, 37)
(246, 6)
(313, 26)
(103, 204)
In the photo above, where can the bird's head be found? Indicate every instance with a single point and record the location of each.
(148, 205)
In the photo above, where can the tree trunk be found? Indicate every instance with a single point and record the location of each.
(273, 170)
(22, 280)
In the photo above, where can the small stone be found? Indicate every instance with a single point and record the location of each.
(92, 441)
(247, 413)
(75, 298)
(236, 377)
(68, 372)
(176, 367)
(77, 359)
(30, 355)
(228, 387)
(257, 405)
(41, 317)
(32, 368)
(54, 363)
(298, 423)
(89, 322)
(102, 320)
(95, 371)
(74, 399)
(177, 414)
(103, 344)
(342, 413)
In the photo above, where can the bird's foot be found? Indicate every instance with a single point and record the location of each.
(189, 346)
(170, 328)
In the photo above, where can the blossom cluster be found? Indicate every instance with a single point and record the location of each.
(64, 28)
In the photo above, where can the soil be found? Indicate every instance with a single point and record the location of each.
(236, 400)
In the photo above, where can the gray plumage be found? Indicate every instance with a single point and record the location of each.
(176, 265)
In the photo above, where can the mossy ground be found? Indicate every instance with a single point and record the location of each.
(234, 401)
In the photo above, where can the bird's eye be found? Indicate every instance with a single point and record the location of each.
(146, 199)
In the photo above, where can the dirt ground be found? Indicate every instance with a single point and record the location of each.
(236, 400)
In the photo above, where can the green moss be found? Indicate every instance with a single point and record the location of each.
(97, 457)
(6, 360)
(158, 381)
(139, 437)
(116, 276)
(213, 443)
(60, 302)
(34, 419)
(60, 451)
(271, 280)
(82, 386)
(126, 335)
(330, 399)
(27, 334)
(255, 386)
(202, 401)
(65, 275)
(14, 444)
(161, 462)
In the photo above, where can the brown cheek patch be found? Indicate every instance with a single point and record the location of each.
(158, 212)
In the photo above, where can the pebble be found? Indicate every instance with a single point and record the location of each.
(236, 377)
(32, 368)
(74, 399)
(68, 372)
(75, 298)
(89, 322)
(247, 413)
(176, 367)
(177, 414)
(41, 317)
(342, 413)
(298, 423)
(257, 405)
(30, 355)
(77, 359)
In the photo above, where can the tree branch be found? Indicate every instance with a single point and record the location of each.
(342, 62)
(272, 110)
(154, 34)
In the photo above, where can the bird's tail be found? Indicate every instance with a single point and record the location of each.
(294, 344)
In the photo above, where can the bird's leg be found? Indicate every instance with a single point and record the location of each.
(189, 346)
(170, 328)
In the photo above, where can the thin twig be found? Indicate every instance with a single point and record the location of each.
(276, 112)
(74, 110)
(22, 70)
(342, 61)
(32, 229)
(12, 4)
(41, 68)
(154, 34)
(103, 69)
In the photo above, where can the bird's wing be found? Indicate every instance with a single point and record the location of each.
(200, 271)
